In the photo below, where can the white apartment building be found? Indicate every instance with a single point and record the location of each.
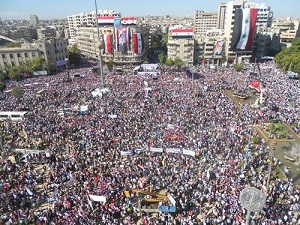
(181, 44)
(86, 19)
(204, 21)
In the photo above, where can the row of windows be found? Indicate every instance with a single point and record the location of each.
(18, 55)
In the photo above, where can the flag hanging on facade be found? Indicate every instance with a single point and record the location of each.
(244, 29)
(140, 43)
(116, 39)
(135, 43)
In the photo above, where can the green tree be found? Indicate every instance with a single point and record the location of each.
(17, 92)
(3, 75)
(14, 73)
(289, 58)
(2, 85)
(74, 55)
(162, 58)
(36, 64)
(178, 62)
(238, 67)
(170, 62)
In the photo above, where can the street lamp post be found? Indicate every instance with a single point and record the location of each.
(98, 38)
(67, 65)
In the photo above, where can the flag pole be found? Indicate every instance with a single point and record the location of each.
(98, 38)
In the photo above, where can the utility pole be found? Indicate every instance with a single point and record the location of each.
(98, 38)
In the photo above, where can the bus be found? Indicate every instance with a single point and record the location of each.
(12, 115)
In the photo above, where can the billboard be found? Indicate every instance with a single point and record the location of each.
(117, 22)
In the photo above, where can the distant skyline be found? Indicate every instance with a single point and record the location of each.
(59, 9)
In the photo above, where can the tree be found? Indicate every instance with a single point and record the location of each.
(74, 55)
(36, 64)
(162, 58)
(2, 85)
(14, 73)
(238, 67)
(3, 75)
(170, 62)
(178, 62)
(289, 58)
(17, 92)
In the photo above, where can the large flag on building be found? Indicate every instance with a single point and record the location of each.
(140, 43)
(108, 42)
(244, 29)
(137, 41)
(116, 39)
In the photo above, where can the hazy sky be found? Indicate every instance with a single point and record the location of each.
(56, 9)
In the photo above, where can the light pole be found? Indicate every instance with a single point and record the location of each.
(67, 65)
(98, 38)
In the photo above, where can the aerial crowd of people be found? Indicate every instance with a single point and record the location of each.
(174, 135)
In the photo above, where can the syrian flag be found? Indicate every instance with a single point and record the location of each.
(255, 85)
(128, 36)
(244, 28)
(107, 40)
(116, 39)
(139, 43)
(135, 43)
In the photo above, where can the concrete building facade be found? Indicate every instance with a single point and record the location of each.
(33, 20)
(264, 19)
(204, 21)
(181, 45)
(54, 51)
(17, 56)
(86, 19)
(88, 43)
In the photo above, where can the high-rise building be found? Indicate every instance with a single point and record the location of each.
(264, 19)
(86, 20)
(204, 21)
(33, 19)
(221, 15)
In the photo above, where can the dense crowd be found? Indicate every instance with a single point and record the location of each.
(184, 136)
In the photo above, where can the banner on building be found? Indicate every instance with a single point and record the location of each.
(137, 43)
(244, 29)
(219, 47)
(108, 43)
(117, 22)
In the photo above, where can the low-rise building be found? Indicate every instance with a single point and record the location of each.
(54, 51)
(181, 45)
(127, 43)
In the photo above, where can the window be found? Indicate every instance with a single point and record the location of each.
(11, 55)
(3, 56)
(19, 55)
(26, 54)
